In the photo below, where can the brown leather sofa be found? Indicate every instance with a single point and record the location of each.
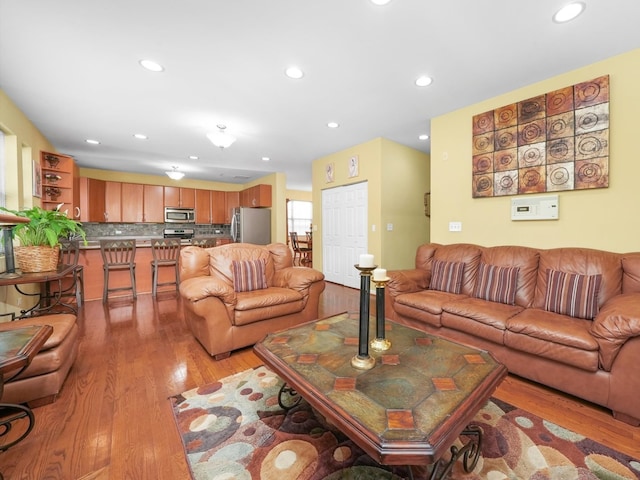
(224, 319)
(42, 380)
(542, 332)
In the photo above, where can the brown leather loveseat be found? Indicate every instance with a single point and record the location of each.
(235, 294)
(568, 318)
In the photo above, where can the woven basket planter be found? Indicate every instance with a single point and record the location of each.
(37, 259)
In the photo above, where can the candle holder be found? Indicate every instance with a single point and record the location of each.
(380, 343)
(363, 361)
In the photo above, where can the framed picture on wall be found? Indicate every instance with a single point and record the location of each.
(353, 166)
(329, 172)
(37, 180)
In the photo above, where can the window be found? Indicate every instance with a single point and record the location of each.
(299, 216)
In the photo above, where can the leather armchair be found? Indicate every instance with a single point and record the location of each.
(223, 319)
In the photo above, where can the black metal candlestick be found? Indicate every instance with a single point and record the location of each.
(363, 360)
(380, 343)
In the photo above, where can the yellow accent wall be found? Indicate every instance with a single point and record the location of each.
(398, 178)
(599, 218)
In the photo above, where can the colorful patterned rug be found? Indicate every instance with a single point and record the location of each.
(234, 429)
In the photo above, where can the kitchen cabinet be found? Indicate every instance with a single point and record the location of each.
(218, 206)
(256, 196)
(113, 201)
(179, 197)
(203, 206)
(132, 202)
(232, 200)
(92, 199)
(59, 183)
(153, 203)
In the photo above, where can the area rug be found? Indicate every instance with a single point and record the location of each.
(234, 429)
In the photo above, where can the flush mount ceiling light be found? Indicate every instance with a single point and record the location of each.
(294, 72)
(424, 81)
(140, 136)
(92, 142)
(569, 12)
(380, 2)
(174, 174)
(424, 136)
(220, 138)
(333, 124)
(151, 66)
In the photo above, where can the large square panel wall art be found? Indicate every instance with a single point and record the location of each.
(552, 142)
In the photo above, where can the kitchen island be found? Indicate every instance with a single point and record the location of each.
(91, 260)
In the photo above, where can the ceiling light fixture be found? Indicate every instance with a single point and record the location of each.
(424, 136)
(265, 159)
(140, 136)
(333, 124)
(220, 138)
(569, 12)
(174, 174)
(151, 66)
(294, 72)
(424, 81)
(92, 142)
(380, 2)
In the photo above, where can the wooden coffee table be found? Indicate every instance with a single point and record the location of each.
(409, 409)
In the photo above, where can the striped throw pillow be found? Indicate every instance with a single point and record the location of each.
(496, 284)
(572, 294)
(249, 275)
(446, 276)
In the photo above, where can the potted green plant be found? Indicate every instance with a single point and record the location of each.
(39, 239)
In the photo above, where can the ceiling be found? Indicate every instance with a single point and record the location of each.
(72, 67)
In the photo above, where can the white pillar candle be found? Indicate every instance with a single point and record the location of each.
(379, 274)
(366, 260)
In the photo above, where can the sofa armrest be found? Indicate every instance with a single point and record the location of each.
(297, 278)
(407, 281)
(617, 321)
(197, 288)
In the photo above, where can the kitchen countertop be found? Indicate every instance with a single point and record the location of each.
(93, 243)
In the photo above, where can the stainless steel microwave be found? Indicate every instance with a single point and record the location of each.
(179, 215)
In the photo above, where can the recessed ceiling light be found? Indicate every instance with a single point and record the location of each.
(140, 136)
(424, 81)
(333, 124)
(569, 12)
(380, 2)
(193, 157)
(92, 142)
(152, 66)
(423, 137)
(294, 72)
(266, 159)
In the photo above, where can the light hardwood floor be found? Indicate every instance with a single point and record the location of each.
(113, 418)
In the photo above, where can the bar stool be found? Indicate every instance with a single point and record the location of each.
(69, 255)
(165, 254)
(118, 255)
(204, 242)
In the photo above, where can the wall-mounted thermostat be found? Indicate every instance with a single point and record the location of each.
(535, 208)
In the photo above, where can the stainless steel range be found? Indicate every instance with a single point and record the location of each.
(184, 234)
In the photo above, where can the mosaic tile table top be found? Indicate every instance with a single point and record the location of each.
(409, 408)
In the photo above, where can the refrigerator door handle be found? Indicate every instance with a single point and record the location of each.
(234, 227)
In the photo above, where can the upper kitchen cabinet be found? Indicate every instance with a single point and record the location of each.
(92, 200)
(59, 181)
(153, 203)
(203, 206)
(179, 197)
(113, 202)
(232, 201)
(257, 196)
(218, 207)
(132, 202)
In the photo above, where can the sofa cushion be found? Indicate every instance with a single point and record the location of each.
(446, 276)
(267, 303)
(572, 294)
(554, 336)
(424, 306)
(496, 284)
(249, 275)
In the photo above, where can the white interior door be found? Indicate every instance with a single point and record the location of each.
(344, 232)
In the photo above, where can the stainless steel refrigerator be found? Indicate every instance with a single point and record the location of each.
(251, 225)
